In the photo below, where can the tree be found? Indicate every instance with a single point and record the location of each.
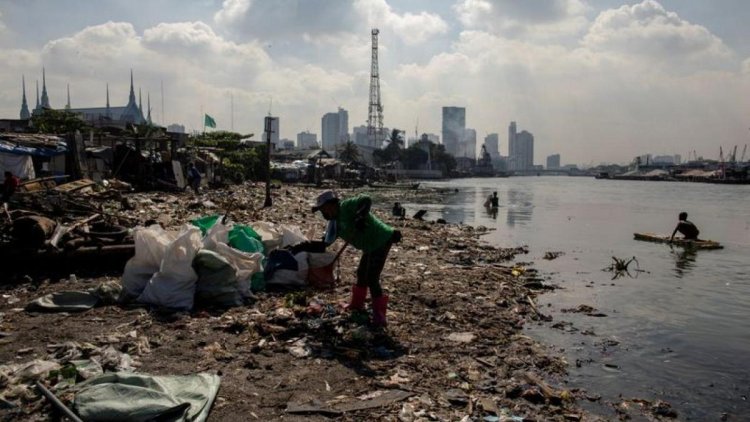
(393, 152)
(58, 121)
(349, 152)
(414, 157)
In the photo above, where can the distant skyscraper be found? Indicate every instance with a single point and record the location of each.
(176, 128)
(454, 125)
(307, 140)
(520, 149)
(492, 143)
(360, 136)
(274, 132)
(511, 142)
(524, 150)
(469, 144)
(553, 162)
(334, 130)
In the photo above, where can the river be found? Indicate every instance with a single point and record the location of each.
(677, 331)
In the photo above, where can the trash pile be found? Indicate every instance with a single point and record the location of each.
(216, 289)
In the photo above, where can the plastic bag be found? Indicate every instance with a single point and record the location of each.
(174, 285)
(150, 244)
(217, 280)
(205, 223)
(288, 275)
(291, 235)
(245, 239)
(269, 233)
(320, 274)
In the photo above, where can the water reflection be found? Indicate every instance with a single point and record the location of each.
(520, 207)
(684, 261)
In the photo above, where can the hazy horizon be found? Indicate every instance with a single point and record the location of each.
(593, 81)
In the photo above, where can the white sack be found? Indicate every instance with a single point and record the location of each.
(150, 245)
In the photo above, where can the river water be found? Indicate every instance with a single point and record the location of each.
(678, 331)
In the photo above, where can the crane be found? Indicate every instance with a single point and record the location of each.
(744, 150)
(734, 155)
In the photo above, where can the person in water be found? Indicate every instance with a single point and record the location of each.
(492, 201)
(687, 228)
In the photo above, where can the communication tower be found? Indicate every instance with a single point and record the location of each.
(375, 109)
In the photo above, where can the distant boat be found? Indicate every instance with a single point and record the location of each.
(662, 238)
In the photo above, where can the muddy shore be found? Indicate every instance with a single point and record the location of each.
(454, 348)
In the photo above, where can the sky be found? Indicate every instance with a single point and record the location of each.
(595, 81)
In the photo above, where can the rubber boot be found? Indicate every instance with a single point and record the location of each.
(379, 308)
(359, 294)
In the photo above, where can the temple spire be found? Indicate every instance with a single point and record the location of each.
(131, 99)
(45, 98)
(149, 107)
(140, 101)
(67, 106)
(38, 106)
(108, 112)
(24, 106)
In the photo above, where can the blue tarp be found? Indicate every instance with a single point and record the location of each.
(11, 148)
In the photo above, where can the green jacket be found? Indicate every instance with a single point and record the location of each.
(375, 234)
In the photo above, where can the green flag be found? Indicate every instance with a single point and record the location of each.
(209, 121)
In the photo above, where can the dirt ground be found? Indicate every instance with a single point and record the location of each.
(453, 349)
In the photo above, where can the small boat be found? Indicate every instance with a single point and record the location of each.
(664, 238)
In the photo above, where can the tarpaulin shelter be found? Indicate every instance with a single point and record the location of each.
(25, 154)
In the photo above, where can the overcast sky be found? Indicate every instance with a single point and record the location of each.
(595, 81)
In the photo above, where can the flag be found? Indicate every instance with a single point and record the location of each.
(209, 121)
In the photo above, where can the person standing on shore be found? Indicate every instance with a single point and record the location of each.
(355, 224)
(194, 177)
(10, 185)
(687, 228)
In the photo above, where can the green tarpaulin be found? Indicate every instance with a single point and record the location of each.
(120, 396)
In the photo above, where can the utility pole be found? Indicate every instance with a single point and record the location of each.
(269, 128)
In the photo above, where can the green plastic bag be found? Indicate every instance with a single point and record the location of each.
(245, 239)
(205, 223)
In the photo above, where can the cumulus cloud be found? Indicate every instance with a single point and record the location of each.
(411, 28)
(324, 19)
(524, 19)
(197, 66)
(647, 29)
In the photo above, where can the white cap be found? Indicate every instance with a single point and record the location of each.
(324, 197)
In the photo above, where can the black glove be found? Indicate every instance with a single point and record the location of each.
(312, 247)
(360, 222)
(396, 236)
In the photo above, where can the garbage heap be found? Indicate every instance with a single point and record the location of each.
(453, 350)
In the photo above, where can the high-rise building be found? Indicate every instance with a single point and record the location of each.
(492, 143)
(520, 149)
(307, 140)
(274, 133)
(360, 135)
(454, 125)
(524, 150)
(334, 130)
(469, 144)
(511, 142)
(176, 128)
(553, 161)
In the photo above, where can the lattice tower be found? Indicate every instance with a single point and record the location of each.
(375, 109)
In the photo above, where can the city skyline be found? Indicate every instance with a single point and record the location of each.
(594, 81)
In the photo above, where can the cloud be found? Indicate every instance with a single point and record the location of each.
(648, 30)
(323, 19)
(523, 19)
(411, 28)
(232, 11)
(197, 67)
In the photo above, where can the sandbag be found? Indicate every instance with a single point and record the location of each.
(174, 285)
(270, 235)
(217, 280)
(150, 245)
(245, 264)
(285, 269)
(291, 235)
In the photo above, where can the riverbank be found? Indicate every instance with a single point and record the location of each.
(454, 349)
